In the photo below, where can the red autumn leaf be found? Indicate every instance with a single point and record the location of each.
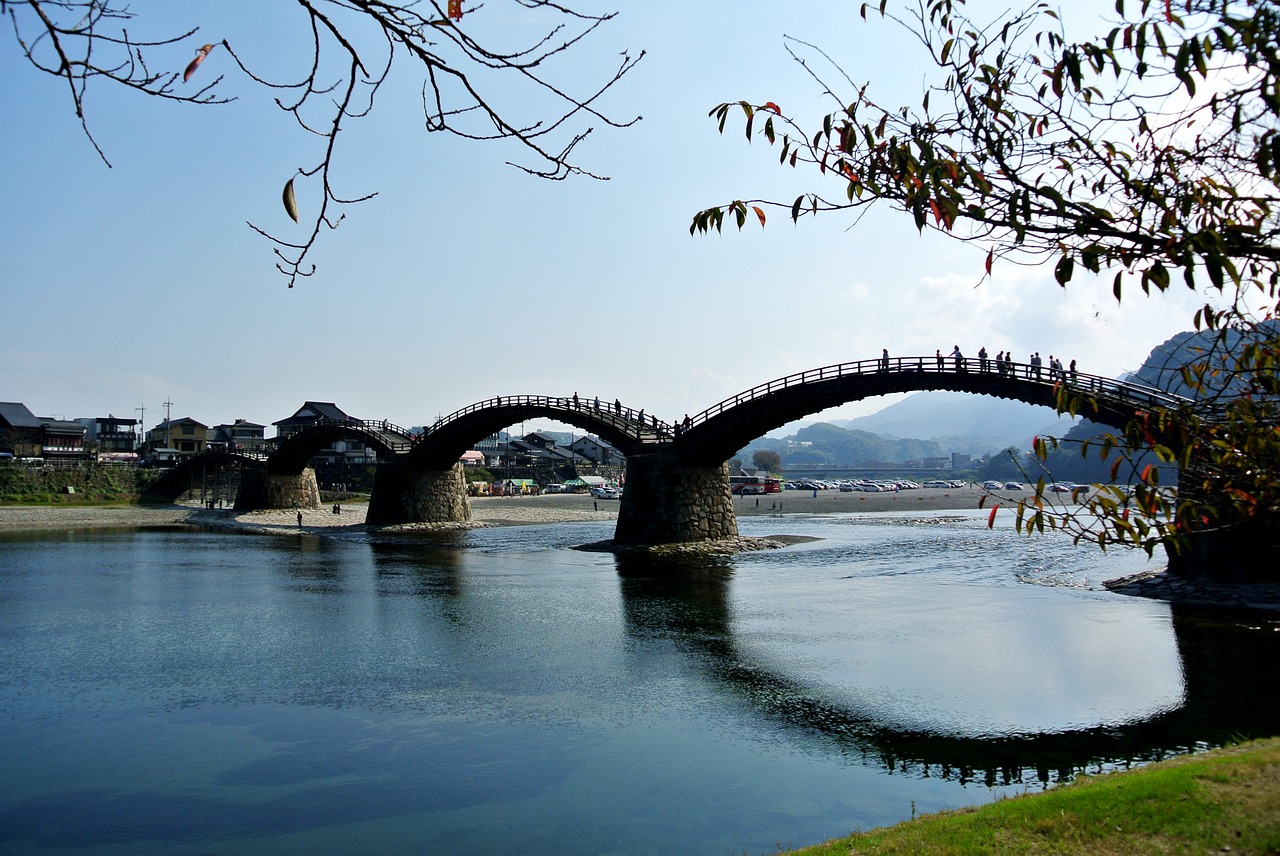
(201, 53)
(759, 213)
(1146, 471)
(769, 105)
(991, 519)
(455, 9)
(991, 255)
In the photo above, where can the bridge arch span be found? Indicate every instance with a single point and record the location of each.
(723, 429)
(627, 429)
(293, 453)
(182, 477)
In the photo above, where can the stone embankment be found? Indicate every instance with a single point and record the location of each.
(697, 550)
(1159, 585)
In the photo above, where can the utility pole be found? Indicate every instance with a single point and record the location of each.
(142, 421)
(167, 424)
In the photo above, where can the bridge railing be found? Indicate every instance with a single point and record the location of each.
(635, 423)
(1081, 382)
(396, 438)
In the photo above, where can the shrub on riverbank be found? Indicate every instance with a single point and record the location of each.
(1227, 800)
(88, 483)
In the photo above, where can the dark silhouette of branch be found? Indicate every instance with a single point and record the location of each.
(470, 88)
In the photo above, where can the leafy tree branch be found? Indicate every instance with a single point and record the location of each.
(1150, 152)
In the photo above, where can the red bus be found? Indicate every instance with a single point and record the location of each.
(754, 484)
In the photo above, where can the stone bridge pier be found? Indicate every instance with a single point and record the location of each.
(402, 494)
(262, 489)
(669, 502)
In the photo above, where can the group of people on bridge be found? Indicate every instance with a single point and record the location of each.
(1002, 364)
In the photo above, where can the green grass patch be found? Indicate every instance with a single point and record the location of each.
(1225, 801)
(65, 501)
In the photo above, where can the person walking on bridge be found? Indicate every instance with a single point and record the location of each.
(982, 358)
(958, 357)
(937, 355)
(884, 360)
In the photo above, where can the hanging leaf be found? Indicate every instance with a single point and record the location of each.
(290, 201)
(455, 9)
(759, 213)
(991, 518)
(201, 53)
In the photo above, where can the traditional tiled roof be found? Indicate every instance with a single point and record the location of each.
(16, 415)
(310, 411)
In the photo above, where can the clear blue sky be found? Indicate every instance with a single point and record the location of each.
(465, 278)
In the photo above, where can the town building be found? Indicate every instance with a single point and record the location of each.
(176, 438)
(25, 435)
(598, 452)
(113, 437)
(240, 436)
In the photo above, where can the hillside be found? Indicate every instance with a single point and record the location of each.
(824, 444)
(961, 422)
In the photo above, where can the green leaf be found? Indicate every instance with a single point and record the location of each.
(1063, 269)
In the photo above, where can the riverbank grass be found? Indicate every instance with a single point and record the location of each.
(1224, 801)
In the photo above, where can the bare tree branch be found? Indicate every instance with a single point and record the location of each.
(468, 86)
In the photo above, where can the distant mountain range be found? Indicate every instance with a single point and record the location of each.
(924, 425)
(961, 422)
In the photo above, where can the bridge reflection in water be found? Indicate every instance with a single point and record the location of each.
(1217, 706)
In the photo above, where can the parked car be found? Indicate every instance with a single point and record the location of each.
(609, 493)
(937, 484)
(992, 485)
(1013, 485)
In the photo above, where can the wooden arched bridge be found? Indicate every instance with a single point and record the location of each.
(677, 476)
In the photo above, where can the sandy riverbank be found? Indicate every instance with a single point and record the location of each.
(490, 511)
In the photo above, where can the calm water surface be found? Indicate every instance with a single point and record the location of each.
(494, 691)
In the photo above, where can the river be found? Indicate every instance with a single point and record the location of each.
(181, 692)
